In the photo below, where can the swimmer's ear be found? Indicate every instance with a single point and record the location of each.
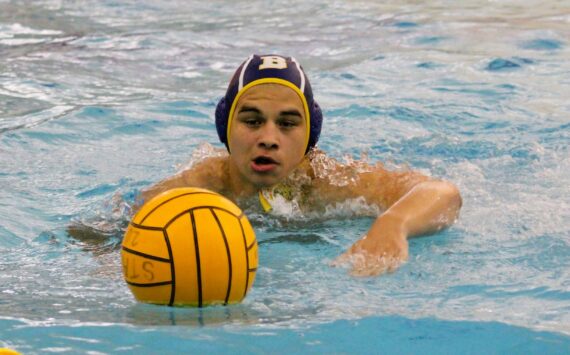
(222, 121)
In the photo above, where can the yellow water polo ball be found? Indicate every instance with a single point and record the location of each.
(189, 247)
(6, 351)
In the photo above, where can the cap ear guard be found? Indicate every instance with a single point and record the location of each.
(316, 124)
(222, 121)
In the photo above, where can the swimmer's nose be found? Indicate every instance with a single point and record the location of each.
(269, 137)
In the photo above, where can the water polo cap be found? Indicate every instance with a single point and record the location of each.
(269, 69)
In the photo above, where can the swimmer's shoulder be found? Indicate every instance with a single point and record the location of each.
(327, 178)
(210, 173)
(334, 181)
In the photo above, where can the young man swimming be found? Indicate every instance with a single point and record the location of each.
(270, 124)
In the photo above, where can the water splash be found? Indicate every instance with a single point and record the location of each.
(202, 152)
(336, 173)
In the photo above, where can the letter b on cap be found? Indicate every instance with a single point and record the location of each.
(273, 62)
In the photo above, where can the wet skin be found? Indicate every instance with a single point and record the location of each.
(267, 142)
(267, 137)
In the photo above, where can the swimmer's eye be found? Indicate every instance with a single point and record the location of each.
(251, 121)
(288, 124)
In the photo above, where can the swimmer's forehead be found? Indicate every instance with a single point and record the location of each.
(279, 95)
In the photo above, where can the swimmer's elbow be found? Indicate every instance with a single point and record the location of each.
(451, 194)
(447, 194)
(454, 195)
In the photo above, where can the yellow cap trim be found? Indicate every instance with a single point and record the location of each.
(264, 203)
(271, 81)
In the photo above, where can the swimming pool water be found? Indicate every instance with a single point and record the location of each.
(99, 99)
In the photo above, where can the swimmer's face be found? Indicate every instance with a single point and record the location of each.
(268, 135)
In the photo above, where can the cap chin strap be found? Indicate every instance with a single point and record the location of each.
(264, 203)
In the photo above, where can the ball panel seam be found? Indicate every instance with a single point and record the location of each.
(191, 210)
(155, 284)
(246, 257)
(172, 268)
(198, 265)
(144, 255)
(228, 253)
(174, 198)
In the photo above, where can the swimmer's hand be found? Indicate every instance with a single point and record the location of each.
(383, 249)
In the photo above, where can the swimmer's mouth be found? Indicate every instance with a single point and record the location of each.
(264, 161)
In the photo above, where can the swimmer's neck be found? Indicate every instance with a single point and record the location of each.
(239, 187)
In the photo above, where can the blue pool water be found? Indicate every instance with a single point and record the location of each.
(99, 99)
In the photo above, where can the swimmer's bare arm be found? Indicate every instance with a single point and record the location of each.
(208, 174)
(414, 205)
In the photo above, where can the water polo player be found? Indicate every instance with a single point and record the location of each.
(270, 124)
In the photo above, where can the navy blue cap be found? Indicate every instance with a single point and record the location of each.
(264, 69)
